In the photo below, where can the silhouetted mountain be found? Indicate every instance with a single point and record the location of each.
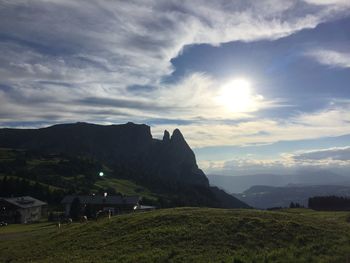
(237, 184)
(166, 166)
(129, 143)
(261, 196)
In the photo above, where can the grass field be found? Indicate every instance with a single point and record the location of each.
(125, 187)
(186, 235)
(19, 229)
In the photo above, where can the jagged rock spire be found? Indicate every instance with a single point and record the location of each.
(177, 136)
(166, 136)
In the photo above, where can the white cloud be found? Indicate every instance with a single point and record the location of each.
(120, 43)
(331, 58)
(57, 56)
(246, 166)
(329, 2)
(333, 121)
(334, 159)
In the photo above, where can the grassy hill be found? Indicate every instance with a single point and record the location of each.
(125, 187)
(186, 235)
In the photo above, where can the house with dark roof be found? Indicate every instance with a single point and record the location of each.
(23, 209)
(116, 204)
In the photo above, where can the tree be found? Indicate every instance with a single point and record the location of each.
(295, 205)
(4, 187)
(330, 203)
(75, 209)
(89, 211)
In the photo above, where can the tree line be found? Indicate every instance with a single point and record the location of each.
(329, 203)
(13, 187)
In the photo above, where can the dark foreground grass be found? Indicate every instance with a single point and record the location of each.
(187, 235)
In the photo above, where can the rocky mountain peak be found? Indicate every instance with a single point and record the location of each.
(177, 137)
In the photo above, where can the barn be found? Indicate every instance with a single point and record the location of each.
(23, 209)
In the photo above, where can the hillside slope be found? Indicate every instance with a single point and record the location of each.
(186, 235)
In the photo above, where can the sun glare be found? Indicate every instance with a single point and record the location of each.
(236, 95)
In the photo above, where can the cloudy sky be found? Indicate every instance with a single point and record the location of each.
(255, 86)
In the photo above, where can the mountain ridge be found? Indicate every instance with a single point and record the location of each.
(238, 184)
(263, 196)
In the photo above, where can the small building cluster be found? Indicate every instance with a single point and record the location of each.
(115, 204)
(24, 209)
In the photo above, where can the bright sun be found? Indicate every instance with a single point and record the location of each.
(236, 95)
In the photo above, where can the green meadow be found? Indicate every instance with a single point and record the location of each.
(186, 235)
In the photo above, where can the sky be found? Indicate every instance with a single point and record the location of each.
(254, 86)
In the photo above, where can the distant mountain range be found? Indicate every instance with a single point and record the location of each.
(238, 184)
(261, 196)
(167, 167)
